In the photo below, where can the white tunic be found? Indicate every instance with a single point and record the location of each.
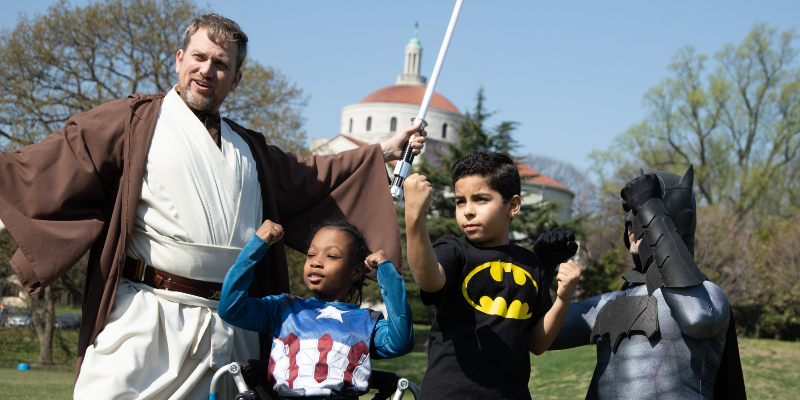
(199, 206)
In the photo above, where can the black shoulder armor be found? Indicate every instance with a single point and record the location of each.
(623, 315)
(664, 248)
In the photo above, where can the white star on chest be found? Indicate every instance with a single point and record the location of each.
(332, 313)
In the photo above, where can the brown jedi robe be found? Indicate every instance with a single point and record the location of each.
(78, 189)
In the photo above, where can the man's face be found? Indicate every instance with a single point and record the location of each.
(634, 243)
(206, 72)
(481, 213)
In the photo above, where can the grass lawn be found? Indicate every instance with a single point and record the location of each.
(770, 368)
(770, 371)
(35, 384)
(554, 375)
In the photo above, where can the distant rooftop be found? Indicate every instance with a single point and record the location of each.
(409, 95)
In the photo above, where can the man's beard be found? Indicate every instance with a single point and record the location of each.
(195, 101)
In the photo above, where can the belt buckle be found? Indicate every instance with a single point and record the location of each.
(215, 295)
(141, 267)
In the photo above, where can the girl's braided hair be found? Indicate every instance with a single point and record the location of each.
(359, 251)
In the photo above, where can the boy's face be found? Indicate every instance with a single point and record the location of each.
(328, 271)
(481, 214)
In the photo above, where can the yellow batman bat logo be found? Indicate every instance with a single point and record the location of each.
(499, 306)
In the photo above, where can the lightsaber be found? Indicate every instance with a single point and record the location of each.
(404, 164)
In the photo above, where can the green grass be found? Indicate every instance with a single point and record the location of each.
(563, 374)
(35, 384)
(68, 310)
(554, 375)
(770, 369)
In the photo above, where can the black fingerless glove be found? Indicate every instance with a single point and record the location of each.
(555, 247)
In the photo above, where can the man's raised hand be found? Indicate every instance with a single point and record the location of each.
(394, 146)
(270, 232)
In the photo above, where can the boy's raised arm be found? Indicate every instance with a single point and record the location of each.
(235, 306)
(545, 332)
(421, 259)
(394, 336)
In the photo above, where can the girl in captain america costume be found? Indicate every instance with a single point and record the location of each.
(322, 346)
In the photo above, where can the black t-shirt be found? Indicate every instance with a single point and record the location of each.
(478, 345)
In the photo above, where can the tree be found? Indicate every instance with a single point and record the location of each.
(7, 249)
(586, 192)
(739, 126)
(473, 135)
(269, 103)
(72, 59)
(604, 260)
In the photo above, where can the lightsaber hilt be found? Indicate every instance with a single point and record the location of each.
(403, 165)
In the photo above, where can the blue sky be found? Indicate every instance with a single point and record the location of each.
(572, 73)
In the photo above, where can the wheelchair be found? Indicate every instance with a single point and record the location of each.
(249, 375)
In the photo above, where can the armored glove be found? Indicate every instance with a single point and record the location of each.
(555, 247)
(639, 191)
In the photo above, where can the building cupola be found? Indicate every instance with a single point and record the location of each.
(413, 58)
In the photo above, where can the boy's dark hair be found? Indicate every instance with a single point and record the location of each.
(497, 169)
(359, 251)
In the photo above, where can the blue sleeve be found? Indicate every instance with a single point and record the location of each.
(394, 336)
(235, 308)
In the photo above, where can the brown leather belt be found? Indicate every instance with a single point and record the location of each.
(138, 271)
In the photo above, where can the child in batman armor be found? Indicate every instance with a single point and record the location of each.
(322, 346)
(491, 299)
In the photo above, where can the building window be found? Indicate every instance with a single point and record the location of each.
(444, 131)
(351, 126)
(369, 124)
(393, 125)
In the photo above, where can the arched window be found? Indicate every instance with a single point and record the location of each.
(444, 131)
(351, 125)
(369, 124)
(393, 125)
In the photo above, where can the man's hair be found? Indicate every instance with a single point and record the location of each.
(497, 169)
(219, 29)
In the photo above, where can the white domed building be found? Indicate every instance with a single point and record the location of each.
(380, 114)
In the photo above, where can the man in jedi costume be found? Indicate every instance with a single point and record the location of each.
(669, 332)
(164, 194)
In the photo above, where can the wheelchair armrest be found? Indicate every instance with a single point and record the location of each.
(382, 380)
